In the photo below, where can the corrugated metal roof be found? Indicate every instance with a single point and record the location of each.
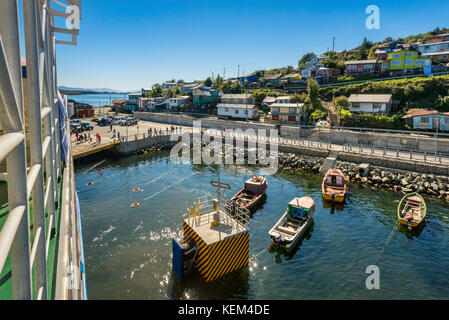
(360, 62)
(376, 98)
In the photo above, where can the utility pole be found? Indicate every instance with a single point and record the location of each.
(224, 73)
(238, 73)
(333, 44)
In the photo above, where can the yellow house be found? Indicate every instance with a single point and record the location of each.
(286, 113)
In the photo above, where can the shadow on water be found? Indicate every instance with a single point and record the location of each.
(231, 286)
(333, 206)
(289, 254)
(415, 232)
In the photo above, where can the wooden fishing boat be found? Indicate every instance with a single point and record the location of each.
(250, 196)
(294, 223)
(334, 186)
(412, 210)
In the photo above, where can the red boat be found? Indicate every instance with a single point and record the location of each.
(250, 196)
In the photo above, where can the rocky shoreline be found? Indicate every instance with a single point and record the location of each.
(394, 180)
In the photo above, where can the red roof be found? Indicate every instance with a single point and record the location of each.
(420, 112)
(119, 101)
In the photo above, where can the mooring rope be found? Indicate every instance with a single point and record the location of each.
(387, 242)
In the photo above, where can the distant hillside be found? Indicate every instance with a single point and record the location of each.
(78, 91)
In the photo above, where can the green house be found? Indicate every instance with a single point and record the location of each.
(206, 98)
(408, 60)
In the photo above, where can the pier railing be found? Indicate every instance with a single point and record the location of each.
(238, 218)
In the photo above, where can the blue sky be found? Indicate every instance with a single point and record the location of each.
(127, 45)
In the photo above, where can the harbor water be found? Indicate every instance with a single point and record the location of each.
(98, 100)
(128, 250)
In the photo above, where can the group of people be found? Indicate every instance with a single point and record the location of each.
(167, 130)
(82, 137)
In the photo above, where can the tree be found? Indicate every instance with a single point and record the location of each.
(208, 82)
(313, 90)
(288, 69)
(236, 87)
(157, 90)
(342, 102)
(219, 82)
(318, 115)
(305, 59)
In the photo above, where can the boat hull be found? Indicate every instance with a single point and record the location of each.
(289, 245)
(415, 223)
(336, 199)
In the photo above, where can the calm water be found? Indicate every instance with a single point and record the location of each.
(97, 100)
(128, 251)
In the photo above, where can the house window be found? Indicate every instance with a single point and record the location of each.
(446, 121)
(396, 55)
(356, 105)
(275, 117)
(425, 120)
(292, 110)
(292, 118)
(409, 62)
(409, 55)
(226, 109)
(396, 63)
(277, 109)
(377, 106)
(236, 111)
(240, 101)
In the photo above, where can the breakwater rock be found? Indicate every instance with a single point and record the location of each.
(290, 161)
(425, 184)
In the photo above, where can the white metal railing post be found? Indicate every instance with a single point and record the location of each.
(16, 228)
(33, 95)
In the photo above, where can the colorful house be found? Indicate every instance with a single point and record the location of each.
(206, 98)
(407, 60)
(428, 120)
(250, 79)
(274, 79)
(239, 106)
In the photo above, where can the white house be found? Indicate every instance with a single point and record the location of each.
(370, 103)
(174, 103)
(240, 106)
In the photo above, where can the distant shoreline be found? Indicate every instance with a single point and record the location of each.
(82, 93)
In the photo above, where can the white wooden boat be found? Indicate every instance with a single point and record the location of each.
(294, 223)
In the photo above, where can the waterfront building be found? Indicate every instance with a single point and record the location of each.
(239, 106)
(285, 112)
(134, 96)
(427, 120)
(370, 103)
(174, 103)
(206, 98)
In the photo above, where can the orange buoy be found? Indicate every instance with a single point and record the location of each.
(136, 190)
(135, 205)
(90, 184)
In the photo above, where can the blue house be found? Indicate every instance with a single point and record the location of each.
(250, 79)
(428, 120)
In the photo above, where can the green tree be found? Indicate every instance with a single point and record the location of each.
(317, 115)
(219, 82)
(313, 90)
(342, 102)
(157, 90)
(208, 82)
(288, 69)
(305, 59)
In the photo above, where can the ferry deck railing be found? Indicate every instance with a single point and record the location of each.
(29, 116)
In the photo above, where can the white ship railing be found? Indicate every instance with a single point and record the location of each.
(29, 116)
